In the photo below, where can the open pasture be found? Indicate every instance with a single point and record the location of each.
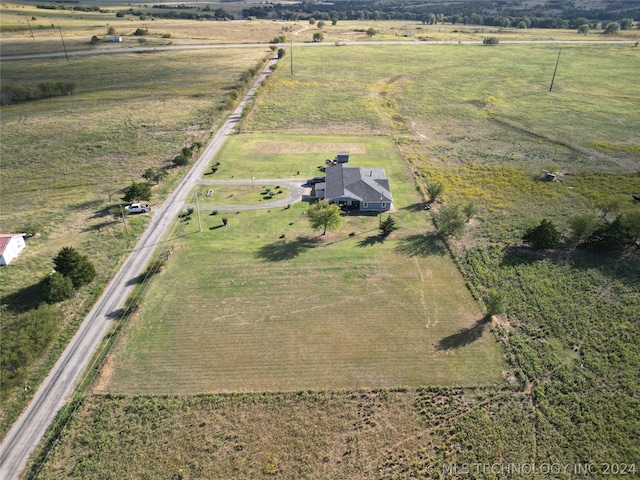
(478, 103)
(266, 304)
(354, 434)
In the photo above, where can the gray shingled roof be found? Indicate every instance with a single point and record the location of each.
(359, 183)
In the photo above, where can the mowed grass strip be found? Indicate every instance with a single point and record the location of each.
(266, 304)
(223, 319)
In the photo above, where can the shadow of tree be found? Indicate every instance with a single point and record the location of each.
(370, 241)
(415, 207)
(88, 205)
(105, 211)
(518, 255)
(25, 299)
(421, 245)
(99, 226)
(283, 250)
(464, 337)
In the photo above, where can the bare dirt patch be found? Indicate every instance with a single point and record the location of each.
(308, 147)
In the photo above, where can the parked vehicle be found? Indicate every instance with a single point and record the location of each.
(138, 208)
(314, 180)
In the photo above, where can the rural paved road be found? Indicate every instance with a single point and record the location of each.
(128, 49)
(28, 430)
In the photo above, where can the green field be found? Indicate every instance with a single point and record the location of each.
(277, 307)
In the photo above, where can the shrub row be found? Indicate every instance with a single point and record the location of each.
(20, 93)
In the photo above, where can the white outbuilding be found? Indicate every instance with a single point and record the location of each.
(11, 244)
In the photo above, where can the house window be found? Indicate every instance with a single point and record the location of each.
(365, 205)
(384, 204)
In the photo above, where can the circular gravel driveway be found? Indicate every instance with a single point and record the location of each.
(296, 192)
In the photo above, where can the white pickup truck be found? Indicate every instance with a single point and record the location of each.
(138, 208)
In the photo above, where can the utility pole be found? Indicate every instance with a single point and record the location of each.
(30, 29)
(555, 70)
(291, 55)
(198, 212)
(124, 221)
(63, 45)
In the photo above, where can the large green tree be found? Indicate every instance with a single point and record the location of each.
(449, 220)
(583, 225)
(154, 174)
(612, 28)
(612, 236)
(57, 287)
(75, 266)
(324, 216)
(137, 191)
(543, 236)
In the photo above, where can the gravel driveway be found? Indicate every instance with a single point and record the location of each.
(296, 191)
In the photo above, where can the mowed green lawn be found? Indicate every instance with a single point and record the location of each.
(267, 304)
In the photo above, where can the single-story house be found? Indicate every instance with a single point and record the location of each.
(356, 188)
(11, 244)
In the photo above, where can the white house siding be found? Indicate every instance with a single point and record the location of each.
(12, 249)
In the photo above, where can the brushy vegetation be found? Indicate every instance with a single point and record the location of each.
(19, 93)
(303, 434)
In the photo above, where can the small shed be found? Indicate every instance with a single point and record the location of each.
(342, 157)
(11, 244)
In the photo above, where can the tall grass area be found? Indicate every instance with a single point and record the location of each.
(66, 160)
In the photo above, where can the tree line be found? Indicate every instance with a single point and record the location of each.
(467, 13)
(176, 14)
(11, 93)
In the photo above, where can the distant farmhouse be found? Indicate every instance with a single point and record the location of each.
(11, 244)
(354, 188)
